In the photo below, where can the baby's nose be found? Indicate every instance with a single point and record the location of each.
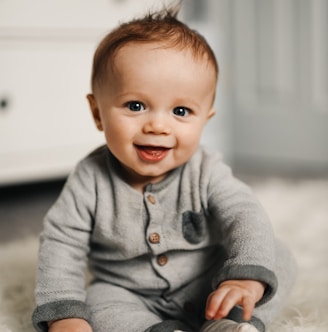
(157, 125)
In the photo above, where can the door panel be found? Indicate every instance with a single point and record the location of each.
(280, 90)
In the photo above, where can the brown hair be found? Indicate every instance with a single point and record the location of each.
(163, 27)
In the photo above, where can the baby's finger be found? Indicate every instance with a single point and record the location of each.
(231, 299)
(213, 303)
(248, 307)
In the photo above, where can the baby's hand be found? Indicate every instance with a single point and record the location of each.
(69, 325)
(231, 293)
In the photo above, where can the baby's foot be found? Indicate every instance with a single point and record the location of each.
(226, 325)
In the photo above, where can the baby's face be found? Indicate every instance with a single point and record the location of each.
(153, 109)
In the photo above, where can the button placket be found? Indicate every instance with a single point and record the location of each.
(153, 230)
(154, 236)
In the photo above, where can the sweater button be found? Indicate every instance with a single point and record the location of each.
(154, 238)
(162, 260)
(151, 199)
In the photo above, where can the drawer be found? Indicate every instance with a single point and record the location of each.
(45, 122)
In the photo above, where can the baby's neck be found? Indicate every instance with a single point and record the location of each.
(139, 182)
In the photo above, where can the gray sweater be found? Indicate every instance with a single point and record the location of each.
(160, 240)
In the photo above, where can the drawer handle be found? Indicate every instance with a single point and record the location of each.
(4, 103)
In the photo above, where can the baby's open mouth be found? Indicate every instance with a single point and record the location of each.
(152, 153)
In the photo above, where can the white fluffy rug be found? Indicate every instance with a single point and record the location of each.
(299, 212)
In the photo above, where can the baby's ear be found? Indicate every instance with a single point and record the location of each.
(95, 111)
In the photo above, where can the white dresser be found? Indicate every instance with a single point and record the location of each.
(46, 50)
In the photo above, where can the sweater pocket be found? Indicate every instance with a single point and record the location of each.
(194, 226)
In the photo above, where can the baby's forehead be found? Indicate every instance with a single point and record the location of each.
(133, 49)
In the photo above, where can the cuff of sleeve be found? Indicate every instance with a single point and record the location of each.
(58, 310)
(249, 272)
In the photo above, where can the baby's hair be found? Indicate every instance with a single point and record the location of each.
(162, 27)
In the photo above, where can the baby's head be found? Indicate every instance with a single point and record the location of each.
(160, 28)
(153, 83)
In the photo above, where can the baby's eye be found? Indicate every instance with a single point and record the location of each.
(181, 111)
(135, 106)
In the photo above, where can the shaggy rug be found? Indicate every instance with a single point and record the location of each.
(299, 213)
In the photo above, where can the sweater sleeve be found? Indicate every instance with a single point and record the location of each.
(244, 229)
(64, 246)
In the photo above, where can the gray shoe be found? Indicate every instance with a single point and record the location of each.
(227, 325)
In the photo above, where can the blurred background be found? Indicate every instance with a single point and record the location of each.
(272, 98)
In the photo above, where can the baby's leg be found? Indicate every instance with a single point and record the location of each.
(117, 309)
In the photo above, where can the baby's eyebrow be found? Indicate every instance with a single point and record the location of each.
(133, 95)
(188, 102)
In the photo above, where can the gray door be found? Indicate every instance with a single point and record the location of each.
(279, 64)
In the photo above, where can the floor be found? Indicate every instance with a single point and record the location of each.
(23, 207)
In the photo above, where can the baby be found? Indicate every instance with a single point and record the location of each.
(173, 241)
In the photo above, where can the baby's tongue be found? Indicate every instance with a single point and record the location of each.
(153, 153)
(153, 150)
